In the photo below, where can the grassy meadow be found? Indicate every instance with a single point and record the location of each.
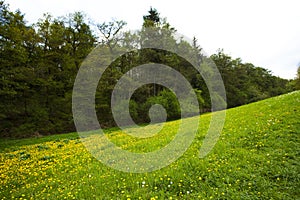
(256, 157)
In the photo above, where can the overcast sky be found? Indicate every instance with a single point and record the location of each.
(263, 32)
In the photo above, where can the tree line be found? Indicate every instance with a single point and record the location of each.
(39, 63)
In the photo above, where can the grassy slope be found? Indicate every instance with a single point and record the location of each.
(256, 157)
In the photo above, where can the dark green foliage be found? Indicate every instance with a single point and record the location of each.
(168, 100)
(295, 84)
(39, 64)
(246, 83)
(152, 19)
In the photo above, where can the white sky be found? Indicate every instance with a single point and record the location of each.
(263, 32)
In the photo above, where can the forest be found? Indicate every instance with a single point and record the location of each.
(39, 63)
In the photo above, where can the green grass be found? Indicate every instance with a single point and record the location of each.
(256, 157)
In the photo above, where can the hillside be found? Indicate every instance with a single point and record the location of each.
(256, 157)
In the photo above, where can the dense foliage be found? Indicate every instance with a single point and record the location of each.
(39, 64)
